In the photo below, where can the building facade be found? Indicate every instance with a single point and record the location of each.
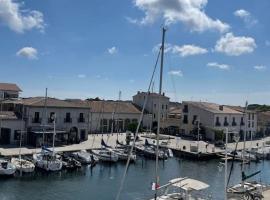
(214, 118)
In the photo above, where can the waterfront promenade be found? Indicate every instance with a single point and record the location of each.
(94, 141)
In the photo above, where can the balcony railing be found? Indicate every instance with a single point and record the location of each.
(36, 120)
(226, 123)
(234, 124)
(68, 120)
(81, 120)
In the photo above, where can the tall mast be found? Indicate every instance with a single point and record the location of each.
(244, 148)
(159, 108)
(45, 115)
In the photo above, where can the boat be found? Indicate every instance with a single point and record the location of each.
(85, 157)
(70, 163)
(47, 160)
(23, 165)
(186, 186)
(106, 155)
(6, 168)
(123, 155)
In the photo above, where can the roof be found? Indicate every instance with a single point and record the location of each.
(95, 106)
(151, 94)
(9, 87)
(213, 107)
(7, 115)
(188, 184)
(241, 109)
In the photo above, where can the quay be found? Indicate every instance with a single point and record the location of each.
(181, 148)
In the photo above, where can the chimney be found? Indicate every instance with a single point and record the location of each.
(221, 107)
(163, 94)
(138, 92)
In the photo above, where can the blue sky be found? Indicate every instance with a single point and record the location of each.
(217, 51)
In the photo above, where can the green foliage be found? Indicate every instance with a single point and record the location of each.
(219, 135)
(132, 127)
(259, 107)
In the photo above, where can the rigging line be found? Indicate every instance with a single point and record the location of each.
(137, 130)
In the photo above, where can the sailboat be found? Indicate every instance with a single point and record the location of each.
(22, 165)
(106, 154)
(245, 189)
(186, 184)
(6, 168)
(47, 159)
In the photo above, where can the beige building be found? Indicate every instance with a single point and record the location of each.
(152, 105)
(213, 118)
(9, 90)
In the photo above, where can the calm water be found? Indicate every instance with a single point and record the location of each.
(103, 181)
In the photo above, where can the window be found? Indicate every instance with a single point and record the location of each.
(68, 118)
(194, 119)
(154, 116)
(252, 124)
(249, 116)
(185, 110)
(162, 106)
(248, 124)
(185, 120)
(36, 118)
(81, 118)
(217, 121)
(51, 118)
(155, 105)
(166, 107)
(226, 122)
(252, 116)
(234, 122)
(17, 135)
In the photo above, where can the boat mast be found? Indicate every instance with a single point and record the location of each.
(54, 131)
(45, 116)
(159, 106)
(244, 148)
(21, 134)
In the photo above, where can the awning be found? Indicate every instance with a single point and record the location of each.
(189, 184)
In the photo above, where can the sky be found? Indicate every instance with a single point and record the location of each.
(216, 51)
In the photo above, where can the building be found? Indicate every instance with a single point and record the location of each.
(152, 106)
(74, 119)
(214, 118)
(9, 90)
(264, 123)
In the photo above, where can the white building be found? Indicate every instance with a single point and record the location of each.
(152, 105)
(9, 90)
(214, 117)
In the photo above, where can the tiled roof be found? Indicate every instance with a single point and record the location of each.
(7, 115)
(213, 107)
(96, 106)
(9, 87)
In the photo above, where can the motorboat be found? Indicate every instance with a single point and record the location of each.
(47, 160)
(106, 155)
(70, 163)
(23, 165)
(187, 188)
(6, 168)
(150, 152)
(85, 157)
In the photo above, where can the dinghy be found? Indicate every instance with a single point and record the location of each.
(23, 165)
(6, 168)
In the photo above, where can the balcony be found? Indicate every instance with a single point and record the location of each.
(226, 123)
(242, 123)
(36, 120)
(68, 120)
(234, 124)
(81, 120)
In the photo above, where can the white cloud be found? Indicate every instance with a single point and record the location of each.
(260, 67)
(81, 76)
(28, 52)
(267, 43)
(112, 50)
(176, 73)
(246, 16)
(189, 12)
(188, 50)
(220, 66)
(167, 47)
(20, 20)
(132, 21)
(234, 45)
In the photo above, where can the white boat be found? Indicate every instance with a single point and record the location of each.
(84, 157)
(23, 165)
(47, 160)
(244, 189)
(186, 186)
(106, 155)
(6, 168)
(123, 155)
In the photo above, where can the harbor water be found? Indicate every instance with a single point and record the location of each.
(102, 181)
